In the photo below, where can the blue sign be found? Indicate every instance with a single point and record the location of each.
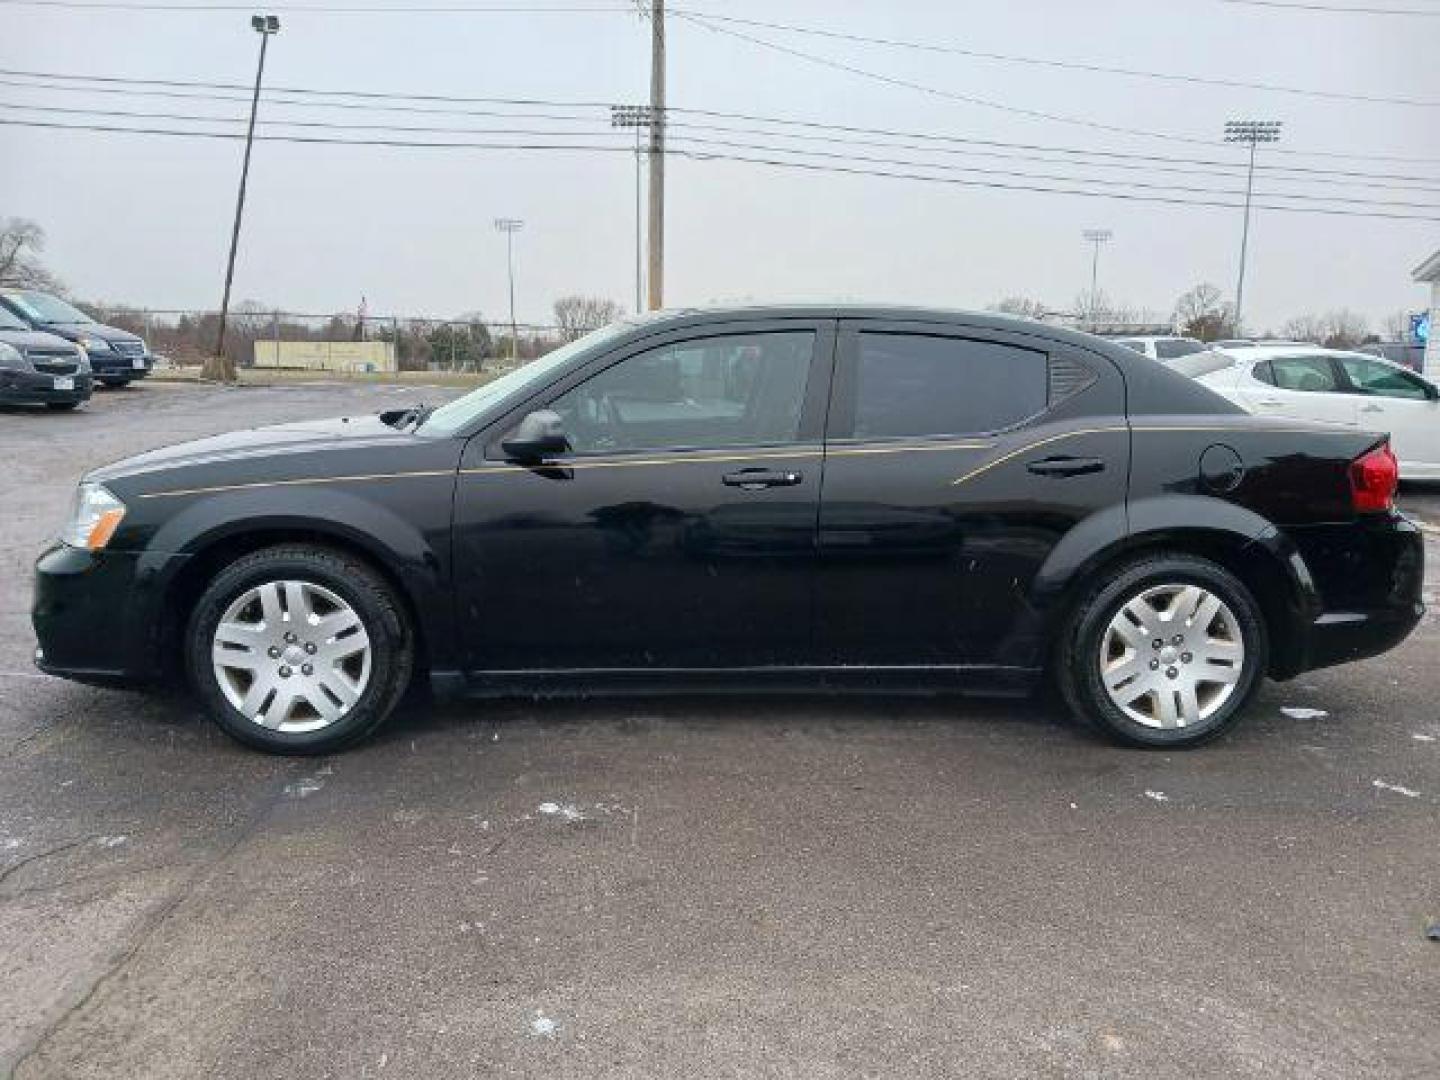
(1420, 327)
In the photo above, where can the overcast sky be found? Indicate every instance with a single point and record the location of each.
(146, 219)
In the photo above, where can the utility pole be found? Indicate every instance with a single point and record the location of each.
(1252, 132)
(510, 226)
(657, 154)
(635, 116)
(1096, 237)
(222, 369)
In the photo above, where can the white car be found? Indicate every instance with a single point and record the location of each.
(1161, 348)
(1352, 389)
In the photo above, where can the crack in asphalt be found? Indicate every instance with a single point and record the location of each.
(149, 926)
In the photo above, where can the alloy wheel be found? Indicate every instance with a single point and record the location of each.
(291, 656)
(1172, 656)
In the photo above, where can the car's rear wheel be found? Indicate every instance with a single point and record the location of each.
(1166, 651)
(299, 649)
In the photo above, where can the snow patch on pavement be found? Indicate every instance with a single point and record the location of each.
(1158, 796)
(1409, 793)
(1295, 712)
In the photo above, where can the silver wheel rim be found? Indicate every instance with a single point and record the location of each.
(1172, 656)
(291, 656)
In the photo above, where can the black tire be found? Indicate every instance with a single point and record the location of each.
(62, 406)
(115, 384)
(370, 597)
(1078, 655)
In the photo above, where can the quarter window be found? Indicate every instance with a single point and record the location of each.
(916, 384)
(735, 390)
(1307, 373)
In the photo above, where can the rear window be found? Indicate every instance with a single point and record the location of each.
(917, 384)
(1173, 348)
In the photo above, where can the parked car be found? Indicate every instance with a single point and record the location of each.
(776, 497)
(1250, 343)
(39, 368)
(1162, 348)
(1354, 390)
(117, 357)
(1405, 353)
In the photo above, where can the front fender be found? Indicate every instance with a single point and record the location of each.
(409, 541)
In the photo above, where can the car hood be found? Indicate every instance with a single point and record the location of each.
(93, 330)
(254, 444)
(32, 339)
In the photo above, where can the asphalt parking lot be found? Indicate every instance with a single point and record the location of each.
(740, 887)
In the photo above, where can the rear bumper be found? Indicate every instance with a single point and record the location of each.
(97, 615)
(33, 387)
(1370, 578)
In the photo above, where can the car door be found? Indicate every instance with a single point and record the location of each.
(1394, 400)
(678, 531)
(1297, 387)
(956, 459)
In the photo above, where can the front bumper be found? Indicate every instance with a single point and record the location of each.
(34, 387)
(1370, 575)
(113, 365)
(98, 614)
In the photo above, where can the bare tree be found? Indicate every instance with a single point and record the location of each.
(577, 315)
(1305, 328)
(1344, 329)
(1204, 313)
(1021, 306)
(21, 242)
(1396, 326)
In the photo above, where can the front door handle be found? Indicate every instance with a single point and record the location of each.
(1066, 466)
(1371, 408)
(756, 479)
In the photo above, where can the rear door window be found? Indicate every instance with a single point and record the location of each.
(931, 385)
(1309, 374)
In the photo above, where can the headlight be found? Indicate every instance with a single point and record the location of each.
(92, 344)
(94, 517)
(83, 359)
(12, 359)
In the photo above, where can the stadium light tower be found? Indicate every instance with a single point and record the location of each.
(510, 226)
(1095, 237)
(1252, 132)
(637, 117)
(265, 26)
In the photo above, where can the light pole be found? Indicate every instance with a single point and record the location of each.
(1095, 237)
(634, 116)
(264, 25)
(510, 226)
(1252, 132)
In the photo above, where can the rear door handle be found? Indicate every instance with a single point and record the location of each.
(1371, 408)
(756, 479)
(1066, 466)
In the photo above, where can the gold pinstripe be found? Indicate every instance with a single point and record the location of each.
(703, 458)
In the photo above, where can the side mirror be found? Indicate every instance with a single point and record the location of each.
(540, 435)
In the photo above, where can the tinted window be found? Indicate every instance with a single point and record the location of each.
(913, 384)
(1309, 373)
(1170, 348)
(1263, 373)
(1380, 380)
(737, 390)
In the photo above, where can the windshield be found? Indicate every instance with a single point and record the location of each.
(44, 308)
(10, 322)
(451, 418)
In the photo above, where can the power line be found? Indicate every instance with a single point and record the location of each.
(1333, 9)
(1064, 65)
(791, 28)
(283, 96)
(703, 141)
(1108, 193)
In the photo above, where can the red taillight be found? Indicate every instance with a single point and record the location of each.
(1374, 476)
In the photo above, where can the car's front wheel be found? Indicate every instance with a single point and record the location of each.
(299, 649)
(1166, 651)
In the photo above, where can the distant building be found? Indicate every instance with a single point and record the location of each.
(1428, 273)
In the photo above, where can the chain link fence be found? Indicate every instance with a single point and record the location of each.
(185, 337)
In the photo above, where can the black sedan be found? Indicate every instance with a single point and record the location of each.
(776, 498)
